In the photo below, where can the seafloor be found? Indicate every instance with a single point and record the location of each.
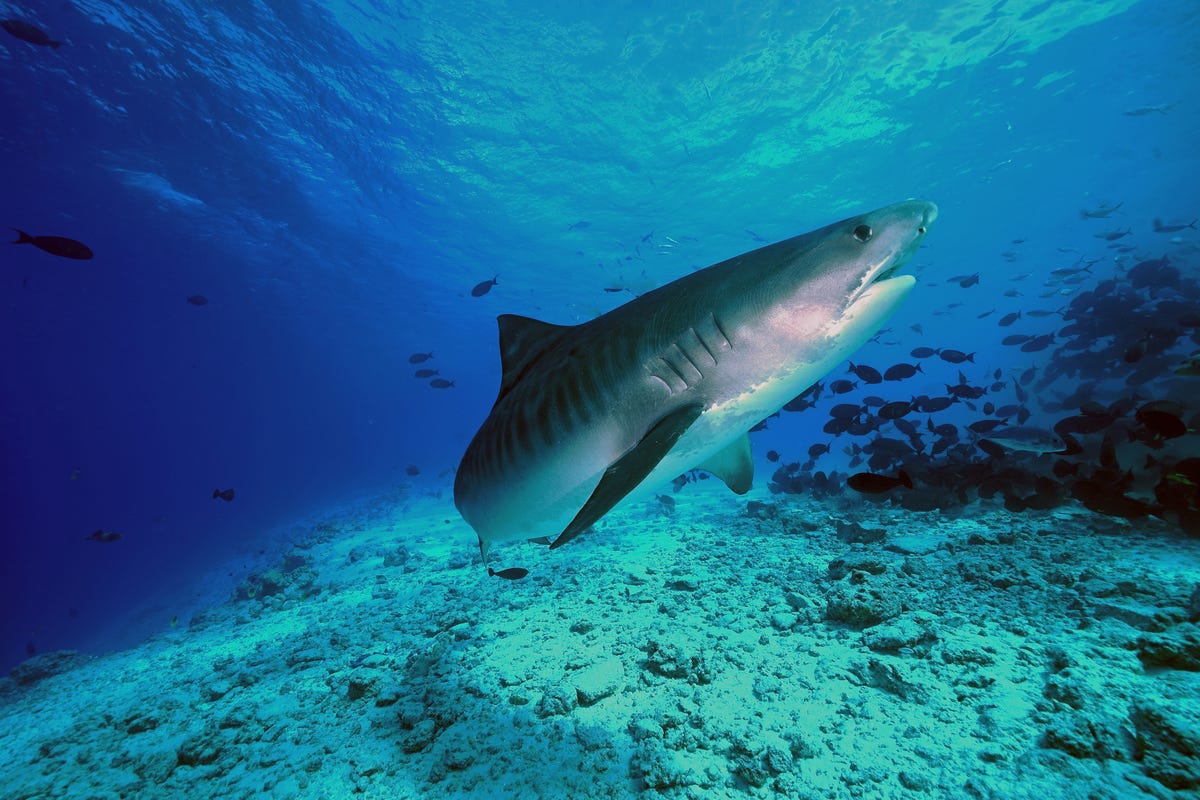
(725, 649)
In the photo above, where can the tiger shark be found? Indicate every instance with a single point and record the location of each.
(676, 378)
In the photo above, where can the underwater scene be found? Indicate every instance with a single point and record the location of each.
(519, 399)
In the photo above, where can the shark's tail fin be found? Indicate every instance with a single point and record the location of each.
(22, 237)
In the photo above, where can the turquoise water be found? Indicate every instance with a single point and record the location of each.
(331, 181)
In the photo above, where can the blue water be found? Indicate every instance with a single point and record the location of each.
(336, 177)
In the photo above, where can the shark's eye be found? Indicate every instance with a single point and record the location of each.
(863, 233)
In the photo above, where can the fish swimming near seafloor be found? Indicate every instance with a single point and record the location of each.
(674, 379)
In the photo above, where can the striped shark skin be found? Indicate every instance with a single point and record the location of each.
(674, 380)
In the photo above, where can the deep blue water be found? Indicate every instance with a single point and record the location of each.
(334, 180)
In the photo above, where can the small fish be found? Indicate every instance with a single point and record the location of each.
(1009, 319)
(1112, 236)
(510, 574)
(483, 287)
(895, 410)
(898, 372)
(1099, 212)
(754, 235)
(102, 536)
(226, 495)
(666, 501)
(819, 449)
(174, 620)
(1163, 423)
(412, 469)
(966, 281)
(1160, 228)
(1135, 351)
(425, 373)
(1038, 343)
(583, 224)
(923, 352)
(197, 299)
(866, 374)
(1141, 111)
(419, 358)
(29, 33)
(441, 383)
(957, 356)
(772, 456)
(55, 245)
(871, 483)
(842, 386)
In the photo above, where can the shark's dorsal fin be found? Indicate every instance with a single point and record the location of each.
(733, 464)
(624, 474)
(522, 341)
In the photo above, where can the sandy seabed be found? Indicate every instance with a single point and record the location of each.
(728, 648)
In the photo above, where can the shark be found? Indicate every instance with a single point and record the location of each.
(588, 415)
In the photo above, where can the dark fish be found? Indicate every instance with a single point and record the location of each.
(510, 574)
(923, 352)
(666, 501)
(1163, 423)
(441, 383)
(425, 373)
(55, 245)
(1112, 236)
(1160, 228)
(818, 449)
(895, 410)
(197, 299)
(865, 373)
(1009, 319)
(772, 456)
(1135, 351)
(957, 356)
(29, 33)
(226, 495)
(871, 483)
(102, 536)
(842, 386)
(985, 425)
(578, 226)
(483, 287)
(1101, 211)
(966, 281)
(898, 372)
(845, 410)
(928, 405)
(419, 358)
(1038, 343)
(412, 469)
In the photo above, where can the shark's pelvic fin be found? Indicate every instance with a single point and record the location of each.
(733, 464)
(624, 474)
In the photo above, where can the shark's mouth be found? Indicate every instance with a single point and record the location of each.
(890, 272)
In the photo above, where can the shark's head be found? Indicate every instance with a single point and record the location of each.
(836, 283)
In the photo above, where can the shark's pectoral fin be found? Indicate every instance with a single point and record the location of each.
(733, 464)
(624, 474)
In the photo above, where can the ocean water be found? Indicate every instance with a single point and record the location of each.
(286, 202)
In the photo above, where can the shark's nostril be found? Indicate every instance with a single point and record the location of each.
(921, 229)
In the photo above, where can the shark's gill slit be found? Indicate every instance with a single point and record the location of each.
(688, 358)
(721, 330)
(666, 385)
(704, 344)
